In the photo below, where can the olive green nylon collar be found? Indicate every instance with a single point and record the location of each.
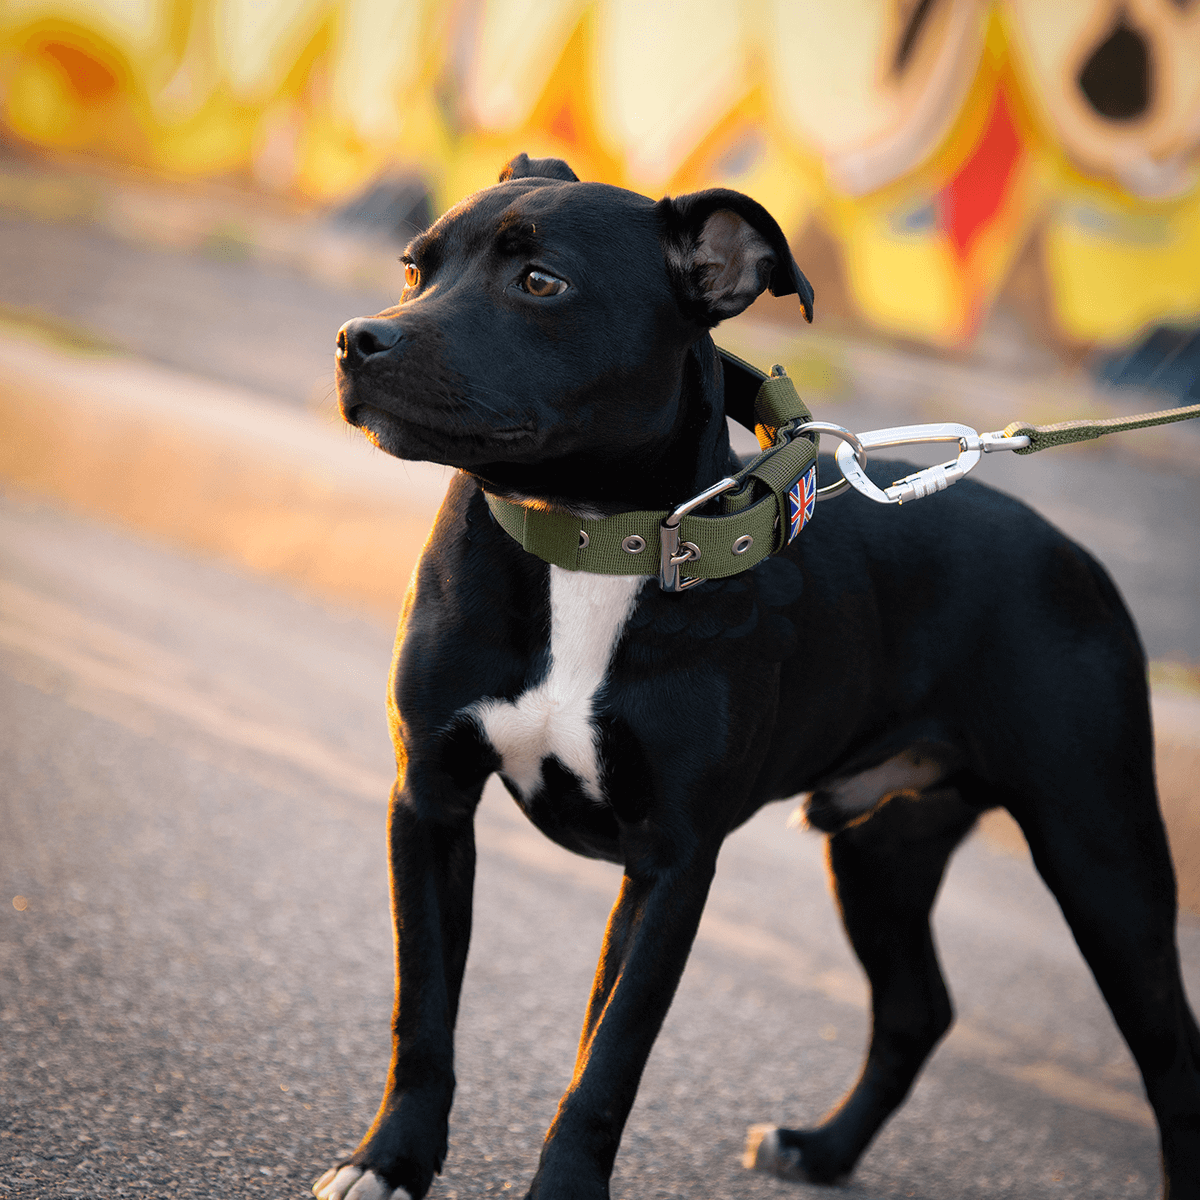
(753, 523)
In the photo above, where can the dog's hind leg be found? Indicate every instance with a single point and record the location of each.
(886, 871)
(1101, 847)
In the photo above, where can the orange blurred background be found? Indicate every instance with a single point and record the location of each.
(926, 157)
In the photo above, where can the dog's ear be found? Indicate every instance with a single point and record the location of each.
(724, 250)
(523, 167)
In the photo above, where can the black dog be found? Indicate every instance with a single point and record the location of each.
(553, 342)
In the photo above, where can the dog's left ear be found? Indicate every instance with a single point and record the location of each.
(724, 251)
(523, 167)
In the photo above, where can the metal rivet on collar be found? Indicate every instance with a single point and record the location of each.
(633, 544)
(583, 539)
(743, 544)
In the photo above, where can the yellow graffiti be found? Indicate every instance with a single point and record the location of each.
(933, 144)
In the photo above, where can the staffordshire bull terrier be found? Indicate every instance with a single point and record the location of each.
(649, 640)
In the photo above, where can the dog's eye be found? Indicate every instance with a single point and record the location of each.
(412, 275)
(538, 283)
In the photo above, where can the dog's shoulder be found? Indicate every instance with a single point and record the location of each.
(477, 613)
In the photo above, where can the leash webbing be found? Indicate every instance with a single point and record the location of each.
(1045, 437)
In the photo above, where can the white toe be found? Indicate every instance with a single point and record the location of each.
(765, 1151)
(334, 1184)
(371, 1187)
(762, 1148)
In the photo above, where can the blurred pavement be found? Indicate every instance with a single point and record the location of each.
(197, 970)
(192, 718)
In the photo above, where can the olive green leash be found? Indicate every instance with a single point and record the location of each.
(1045, 437)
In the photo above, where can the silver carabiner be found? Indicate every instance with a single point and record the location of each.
(926, 481)
(930, 479)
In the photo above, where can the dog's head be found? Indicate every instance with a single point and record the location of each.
(548, 319)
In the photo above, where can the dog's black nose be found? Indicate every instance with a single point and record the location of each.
(362, 337)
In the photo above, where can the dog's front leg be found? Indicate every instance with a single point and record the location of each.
(432, 857)
(650, 932)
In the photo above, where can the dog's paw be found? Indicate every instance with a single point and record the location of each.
(765, 1151)
(353, 1183)
(793, 1154)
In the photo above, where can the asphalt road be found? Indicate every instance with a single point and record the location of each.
(195, 978)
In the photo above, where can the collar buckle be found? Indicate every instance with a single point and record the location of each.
(674, 552)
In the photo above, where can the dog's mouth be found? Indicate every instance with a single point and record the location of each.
(456, 442)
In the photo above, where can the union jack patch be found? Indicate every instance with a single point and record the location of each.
(802, 499)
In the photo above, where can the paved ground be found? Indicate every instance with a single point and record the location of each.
(197, 977)
(196, 965)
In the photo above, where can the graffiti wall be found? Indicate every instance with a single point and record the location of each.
(933, 155)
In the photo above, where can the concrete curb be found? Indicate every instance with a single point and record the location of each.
(219, 220)
(285, 493)
(215, 468)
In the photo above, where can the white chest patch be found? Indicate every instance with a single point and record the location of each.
(587, 614)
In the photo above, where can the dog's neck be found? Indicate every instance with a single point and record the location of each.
(693, 456)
